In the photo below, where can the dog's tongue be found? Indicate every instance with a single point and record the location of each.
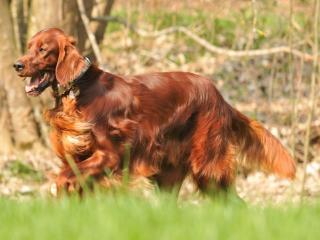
(31, 84)
(29, 88)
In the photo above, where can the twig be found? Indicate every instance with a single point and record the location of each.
(92, 38)
(297, 99)
(312, 96)
(125, 171)
(249, 44)
(223, 51)
(204, 43)
(292, 83)
(254, 25)
(77, 174)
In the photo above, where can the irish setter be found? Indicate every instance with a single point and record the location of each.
(174, 123)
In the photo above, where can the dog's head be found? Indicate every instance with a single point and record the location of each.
(51, 58)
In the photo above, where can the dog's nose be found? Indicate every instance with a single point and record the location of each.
(18, 66)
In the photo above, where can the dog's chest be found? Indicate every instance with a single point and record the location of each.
(78, 141)
(71, 134)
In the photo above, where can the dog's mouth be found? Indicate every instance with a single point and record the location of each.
(38, 83)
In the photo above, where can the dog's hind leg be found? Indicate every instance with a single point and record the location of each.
(212, 161)
(216, 179)
(216, 176)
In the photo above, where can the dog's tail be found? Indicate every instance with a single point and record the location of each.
(258, 148)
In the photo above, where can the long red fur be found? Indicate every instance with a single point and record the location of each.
(259, 148)
(174, 123)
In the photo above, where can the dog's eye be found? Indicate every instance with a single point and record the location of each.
(41, 49)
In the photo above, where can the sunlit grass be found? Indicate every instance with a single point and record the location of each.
(224, 31)
(128, 217)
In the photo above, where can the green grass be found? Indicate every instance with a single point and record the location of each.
(128, 217)
(24, 171)
(223, 31)
(232, 31)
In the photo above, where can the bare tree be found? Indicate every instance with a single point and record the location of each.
(20, 12)
(24, 130)
(65, 15)
(5, 125)
(21, 123)
(103, 8)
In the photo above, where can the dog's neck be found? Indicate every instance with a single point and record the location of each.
(70, 89)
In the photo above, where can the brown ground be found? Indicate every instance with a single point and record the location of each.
(256, 188)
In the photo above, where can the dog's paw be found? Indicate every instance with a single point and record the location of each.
(67, 185)
(53, 189)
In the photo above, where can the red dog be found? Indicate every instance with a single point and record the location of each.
(174, 122)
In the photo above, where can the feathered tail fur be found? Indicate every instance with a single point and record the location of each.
(258, 148)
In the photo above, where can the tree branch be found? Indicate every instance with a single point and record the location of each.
(92, 38)
(204, 43)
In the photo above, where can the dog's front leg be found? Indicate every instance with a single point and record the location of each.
(75, 175)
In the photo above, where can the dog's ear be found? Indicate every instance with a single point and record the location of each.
(70, 62)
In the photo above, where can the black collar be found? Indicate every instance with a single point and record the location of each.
(70, 88)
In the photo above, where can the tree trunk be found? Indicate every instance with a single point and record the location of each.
(102, 8)
(83, 43)
(44, 14)
(5, 125)
(20, 12)
(58, 13)
(65, 15)
(23, 125)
